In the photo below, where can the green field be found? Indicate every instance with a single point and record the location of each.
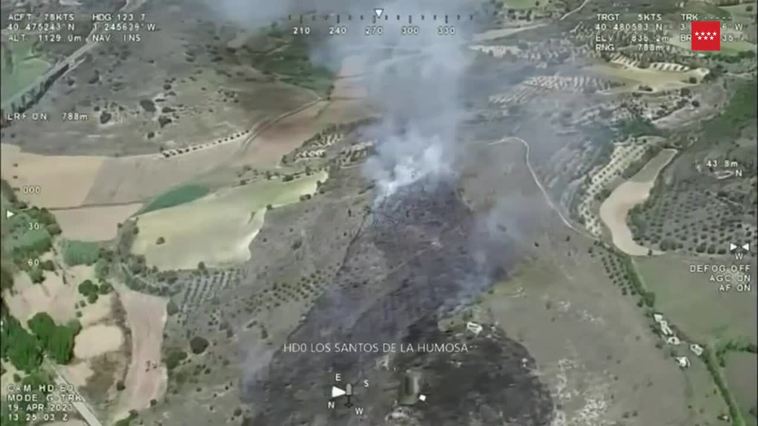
(706, 10)
(174, 197)
(739, 112)
(695, 305)
(522, 4)
(217, 229)
(740, 12)
(20, 67)
(291, 63)
(79, 252)
(741, 376)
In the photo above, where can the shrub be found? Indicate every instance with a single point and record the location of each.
(174, 357)
(198, 345)
(80, 252)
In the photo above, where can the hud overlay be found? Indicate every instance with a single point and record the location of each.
(353, 212)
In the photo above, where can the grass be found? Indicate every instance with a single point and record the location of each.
(706, 11)
(217, 229)
(668, 280)
(174, 197)
(716, 372)
(693, 303)
(521, 4)
(637, 127)
(741, 376)
(21, 65)
(80, 252)
(292, 64)
(739, 113)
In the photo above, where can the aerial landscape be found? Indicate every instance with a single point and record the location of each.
(343, 212)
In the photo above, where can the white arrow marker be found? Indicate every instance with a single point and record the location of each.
(337, 392)
(9, 214)
(378, 12)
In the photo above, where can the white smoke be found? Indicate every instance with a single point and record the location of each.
(414, 80)
(399, 163)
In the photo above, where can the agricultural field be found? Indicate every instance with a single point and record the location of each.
(22, 65)
(225, 222)
(94, 223)
(656, 80)
(695, 304)
(615, 209)
(700, 205)
(288, 60)
(176, 196)
(741, 375)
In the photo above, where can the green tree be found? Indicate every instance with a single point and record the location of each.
(87, 288)
(18, 346)
(56, 340)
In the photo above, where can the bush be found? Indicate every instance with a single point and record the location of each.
(171, 308)
(87, 287)
(105, 288)
(36, 275)
(80, 252)
(198, 345)
(102, 269)
(174, 357)
(6, 276)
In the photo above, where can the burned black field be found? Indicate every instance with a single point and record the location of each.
(428, 258)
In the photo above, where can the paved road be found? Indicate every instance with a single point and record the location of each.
(81, 406)
(73, 59)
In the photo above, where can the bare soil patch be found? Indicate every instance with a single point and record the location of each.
(94, 223)
(615, 209)
(51, 296)
(50, 181)
(79, 373)
(146, 376)
(97, 340)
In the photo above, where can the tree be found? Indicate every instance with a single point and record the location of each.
(56, 340)
(174, 357)
(171, 308)
(87, 288)
(18, 346)
(198, 345)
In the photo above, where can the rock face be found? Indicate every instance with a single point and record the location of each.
(418, 257)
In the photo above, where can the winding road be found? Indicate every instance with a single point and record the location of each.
(537, 180)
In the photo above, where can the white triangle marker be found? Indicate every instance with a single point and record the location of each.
(9, 214)
(336, 392)
(378, 12)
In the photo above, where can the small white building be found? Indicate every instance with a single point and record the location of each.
(682, 361)
(665, 329)
(673, 340)
(474, 327)
(696, 349)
